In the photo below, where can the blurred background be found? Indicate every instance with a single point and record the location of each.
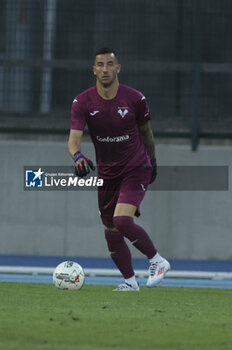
(178, 53)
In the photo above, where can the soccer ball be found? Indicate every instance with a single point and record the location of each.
(68, 275)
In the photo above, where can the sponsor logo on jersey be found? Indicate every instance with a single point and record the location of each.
(75, 100)
(122, 111)
(93, 113)
(143, 187)
(113, 139)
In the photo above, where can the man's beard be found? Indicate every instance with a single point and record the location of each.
(108, 83)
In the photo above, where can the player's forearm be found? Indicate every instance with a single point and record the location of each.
(148, 139)
(73, 148)
(149, 144)
(74, 142)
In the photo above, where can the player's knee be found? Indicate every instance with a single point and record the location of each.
(113, 236)
(122, 222)
(114, 229)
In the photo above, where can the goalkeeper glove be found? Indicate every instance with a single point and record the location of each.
(82, 164)
(154, 170)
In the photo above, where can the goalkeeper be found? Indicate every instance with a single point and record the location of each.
(118, 120)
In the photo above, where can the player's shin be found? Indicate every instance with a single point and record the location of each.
(119, 252)
(136, 234)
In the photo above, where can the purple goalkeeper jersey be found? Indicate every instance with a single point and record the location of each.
(114, 128)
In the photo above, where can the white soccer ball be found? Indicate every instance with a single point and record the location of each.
(69, 275)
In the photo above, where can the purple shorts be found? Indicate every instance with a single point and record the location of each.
(130, 188)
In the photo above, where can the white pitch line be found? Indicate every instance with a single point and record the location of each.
(113, 272)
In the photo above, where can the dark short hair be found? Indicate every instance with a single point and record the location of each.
(104, 50)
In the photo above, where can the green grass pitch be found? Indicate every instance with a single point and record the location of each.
(39, 316)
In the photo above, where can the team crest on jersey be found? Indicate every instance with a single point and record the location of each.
(122, 111)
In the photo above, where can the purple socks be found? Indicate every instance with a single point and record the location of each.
(119, 252)
(118, 248)
(136, 234)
